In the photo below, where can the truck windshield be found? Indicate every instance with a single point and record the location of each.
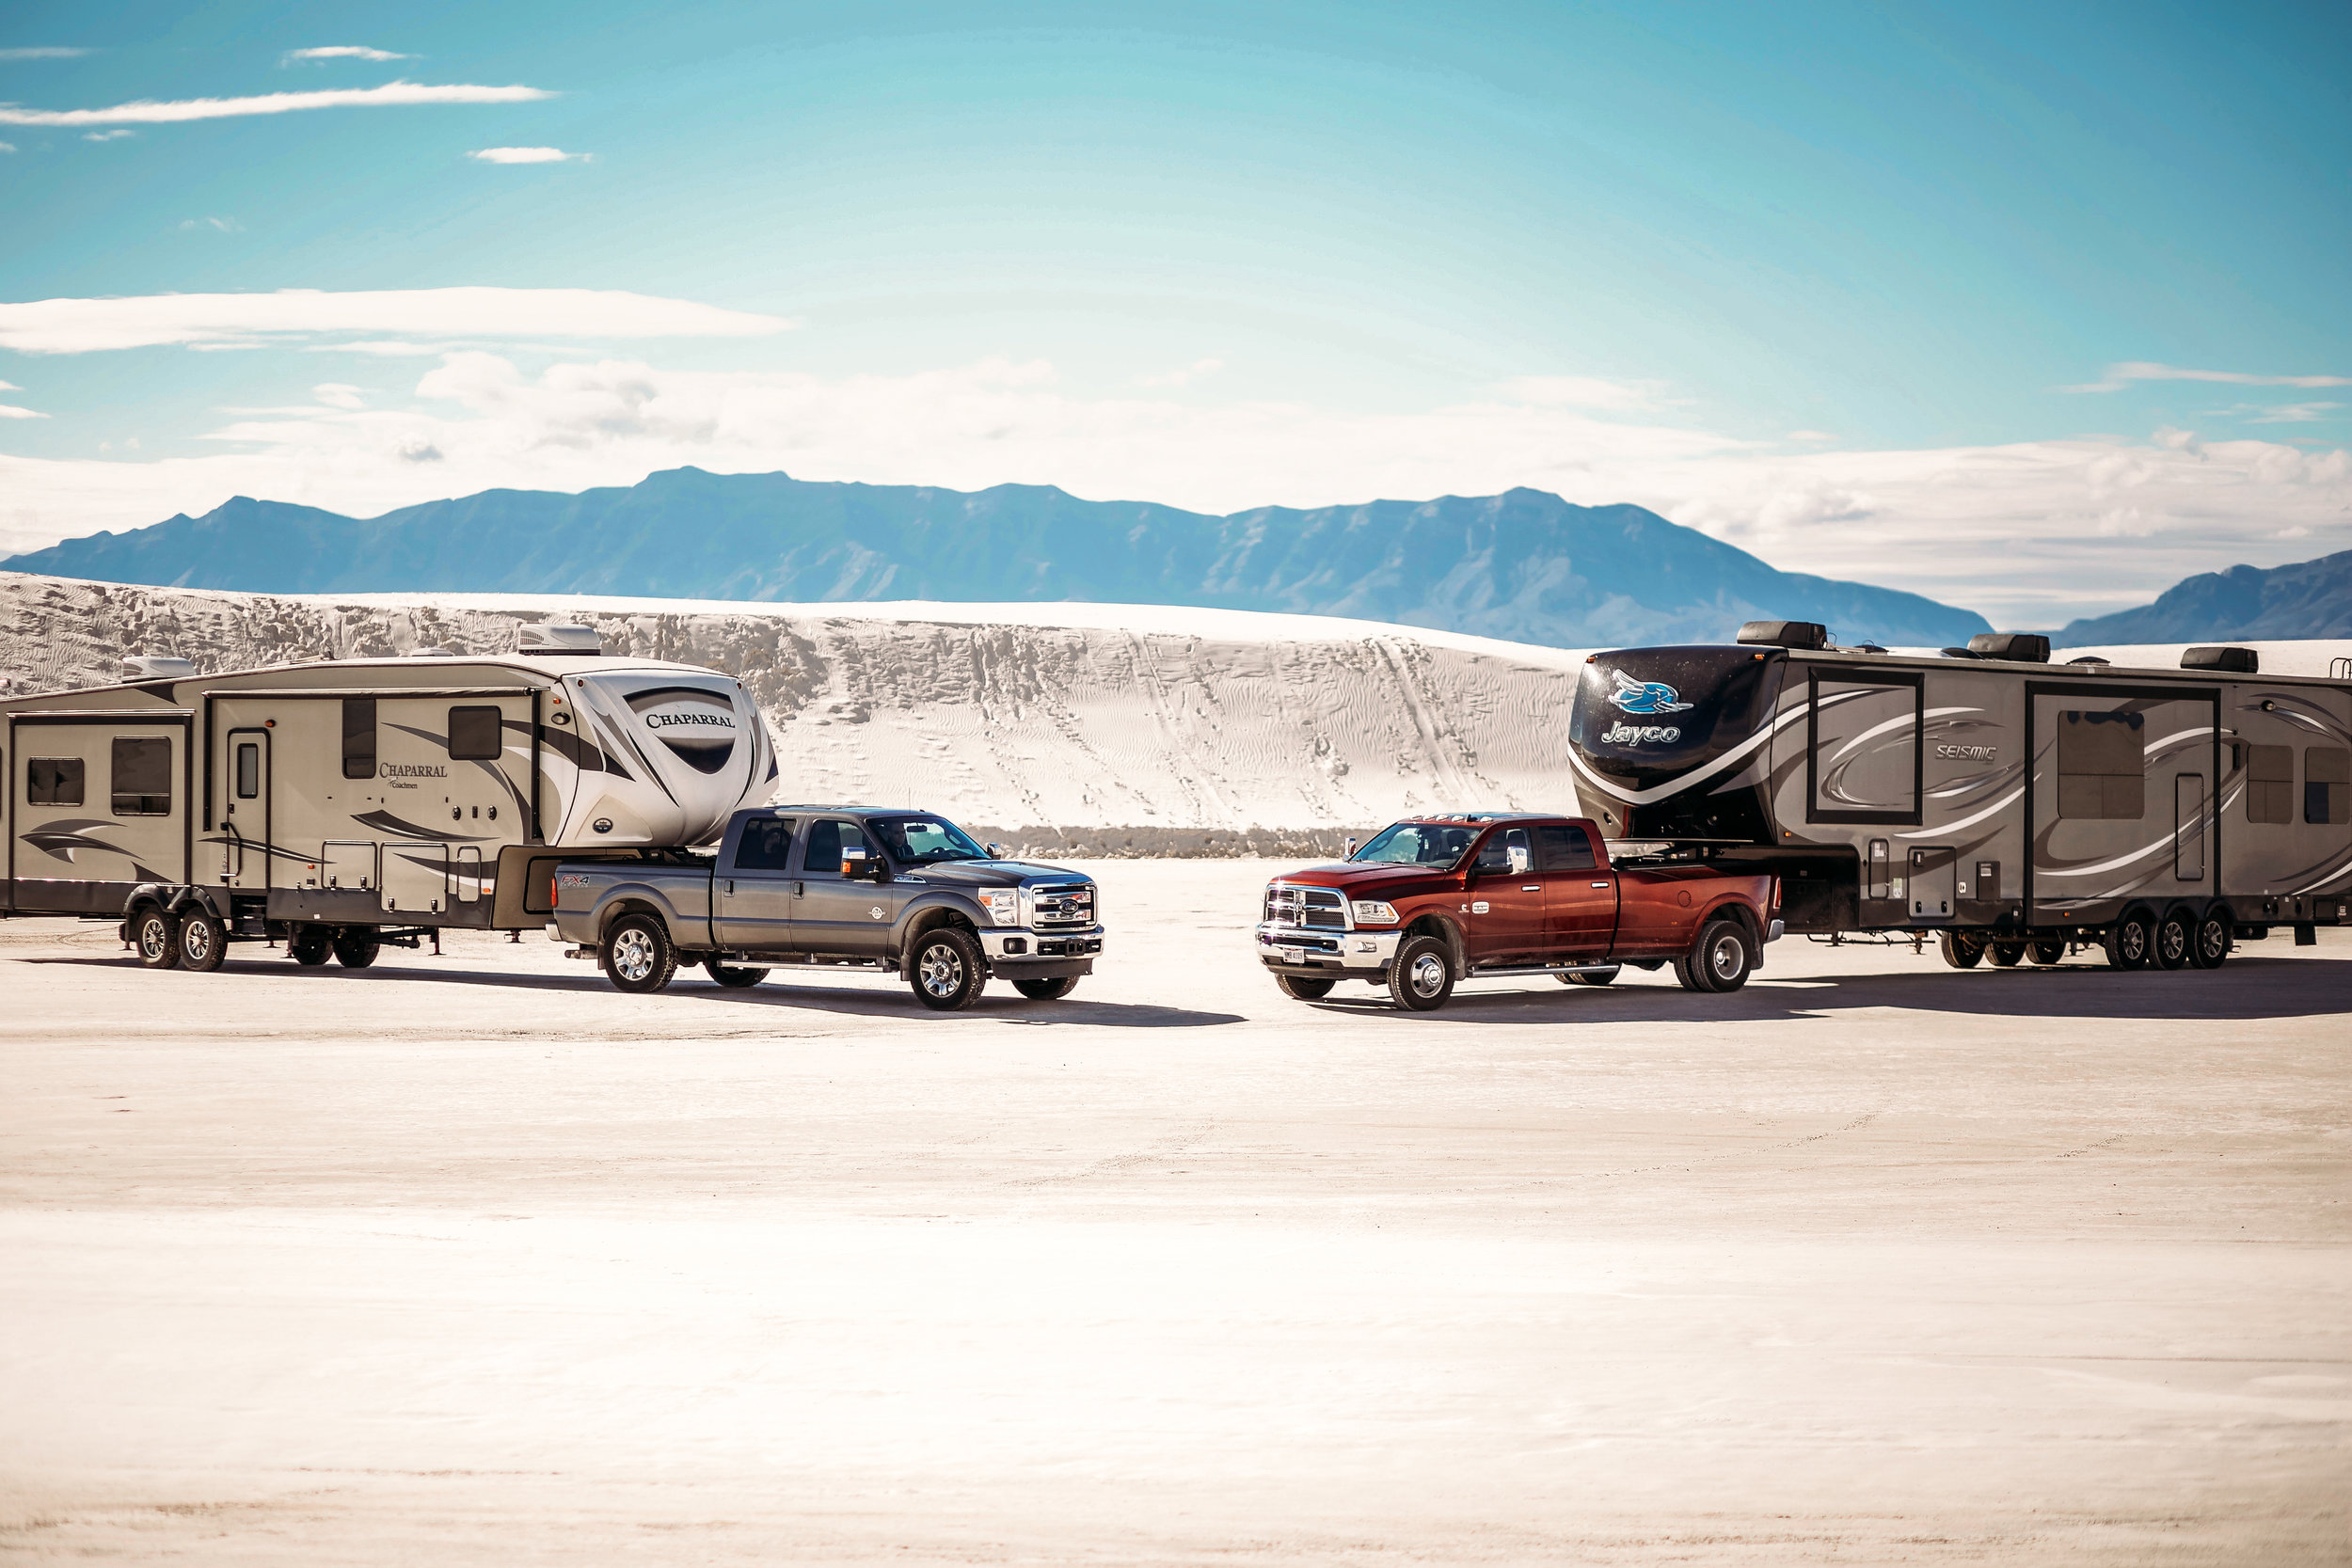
(925, 840)
(1419, 844)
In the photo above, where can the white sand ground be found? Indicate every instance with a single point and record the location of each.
(474, 1261)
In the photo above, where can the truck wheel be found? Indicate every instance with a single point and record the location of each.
(1421, 977)
(2130, 941)
(2212, 948)
(2175, 937)
(204, 941)
(944, 969)
(1302, 988)
(1960, 951)
(156, 936)
(2005, 954)
(636, 953)
(1052, 989)
(308, 946)
(355, 946)
(1590, 977)
(2047, 953)
(1719, 961)
(732, 977)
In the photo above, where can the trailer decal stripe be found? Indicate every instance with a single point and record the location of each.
(1937, 830)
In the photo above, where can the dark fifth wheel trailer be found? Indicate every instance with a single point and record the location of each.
(2010, 805)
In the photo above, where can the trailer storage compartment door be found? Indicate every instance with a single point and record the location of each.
(416, 876)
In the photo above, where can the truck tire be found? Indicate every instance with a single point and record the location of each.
(1421, 979)
(2130, 941)
(732, 977)
(204, 941)
(310, 946)
(1960, 951)
(2005, 954)
(1302, 988)
(156, 936)
(2048, 952)
(2214, 939)
(637, 955)
(356, 946)
(1052, 988)
(1590, 977)
(944, 969)
(2176, 938)
(1720, 960)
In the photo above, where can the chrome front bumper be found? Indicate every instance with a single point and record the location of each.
(1020, 942)
(1307, 949)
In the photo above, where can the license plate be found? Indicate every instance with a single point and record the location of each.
(1290, 955)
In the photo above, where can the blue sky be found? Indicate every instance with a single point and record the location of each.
(2034, 309)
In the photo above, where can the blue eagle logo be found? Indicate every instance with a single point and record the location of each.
(1633, 696)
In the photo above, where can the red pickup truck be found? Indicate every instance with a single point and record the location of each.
(1433, 900)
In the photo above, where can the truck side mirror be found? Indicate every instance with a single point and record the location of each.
(996, 851)
(1520, 860)
(859, 867)
(1351, 848)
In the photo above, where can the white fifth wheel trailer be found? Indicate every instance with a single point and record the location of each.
(342, 804)
(2008, 805)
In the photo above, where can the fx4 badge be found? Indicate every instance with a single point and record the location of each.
(1633, 696)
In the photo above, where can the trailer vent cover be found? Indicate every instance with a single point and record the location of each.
(1785, 634)
(557, 637)
(2022, 647)
(156, 667)
(2237, 662)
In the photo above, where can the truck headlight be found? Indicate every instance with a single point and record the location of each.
(1003, 905)
(1371, 911)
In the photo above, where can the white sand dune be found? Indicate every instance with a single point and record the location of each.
(1185, 729)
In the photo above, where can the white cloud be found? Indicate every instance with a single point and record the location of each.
(107, 135)
(8, 412)
(8, 147)
(525, 156)
(2030, 534)
(338, 394)
(1183, 376)
(2119, 376)
(225, 226)
(2288, 413)
(345, 51)
(86, 325)
(51, 53)
(393, 94)
(386, 348)
(1812, 436)
(1580, 392)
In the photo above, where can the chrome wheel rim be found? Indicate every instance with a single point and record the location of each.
(633, 954)
(1427, 976)
(2212, 940)
(155, 939)
(1725, 958)
(196, 940)
(2133, 940)
(2174, 941)
(941, 970)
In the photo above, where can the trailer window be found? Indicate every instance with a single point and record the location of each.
(1562, 849)
(2270, 783)
(473, 734)
(52, 781)
(2326, 785)
(767, 843)
(142, 778)
(2103, 768)
(359, 737)
(249, 769)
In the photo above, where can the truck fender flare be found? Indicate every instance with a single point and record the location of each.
(630, 898)
(938, 908)
(1448, 931)
(1738, 909)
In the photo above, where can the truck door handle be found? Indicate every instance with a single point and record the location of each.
(798, 888)
(1600, 884)
(1532, 887)
(730, 890)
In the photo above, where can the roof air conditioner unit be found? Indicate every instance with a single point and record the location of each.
(2021, 647)
(1785, 634)
(2235, 661)
(156, 667)
(557, 637)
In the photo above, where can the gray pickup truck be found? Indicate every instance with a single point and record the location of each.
(904, 891)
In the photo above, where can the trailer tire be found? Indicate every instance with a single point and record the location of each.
(1301, 988)
(155, 936)
(2047, 953)
(637, 955)
(356, 946)
(944, 969)
(2213, 940)
(733, 977)
(2130, 941)
(1961, 952)
(1590, 977)
(2176, 938)
(309, 945)
(1720, 960)
(204, 941)
(2005, 954)
(1421, 977)
(1051, 988)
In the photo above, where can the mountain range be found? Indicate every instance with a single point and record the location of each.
(1523, 565)
(2309, 598)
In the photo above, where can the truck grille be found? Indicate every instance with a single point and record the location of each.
(1072, 904)
(1317, 908)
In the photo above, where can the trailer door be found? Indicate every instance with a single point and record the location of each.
(244, 810)
(2120, 798)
